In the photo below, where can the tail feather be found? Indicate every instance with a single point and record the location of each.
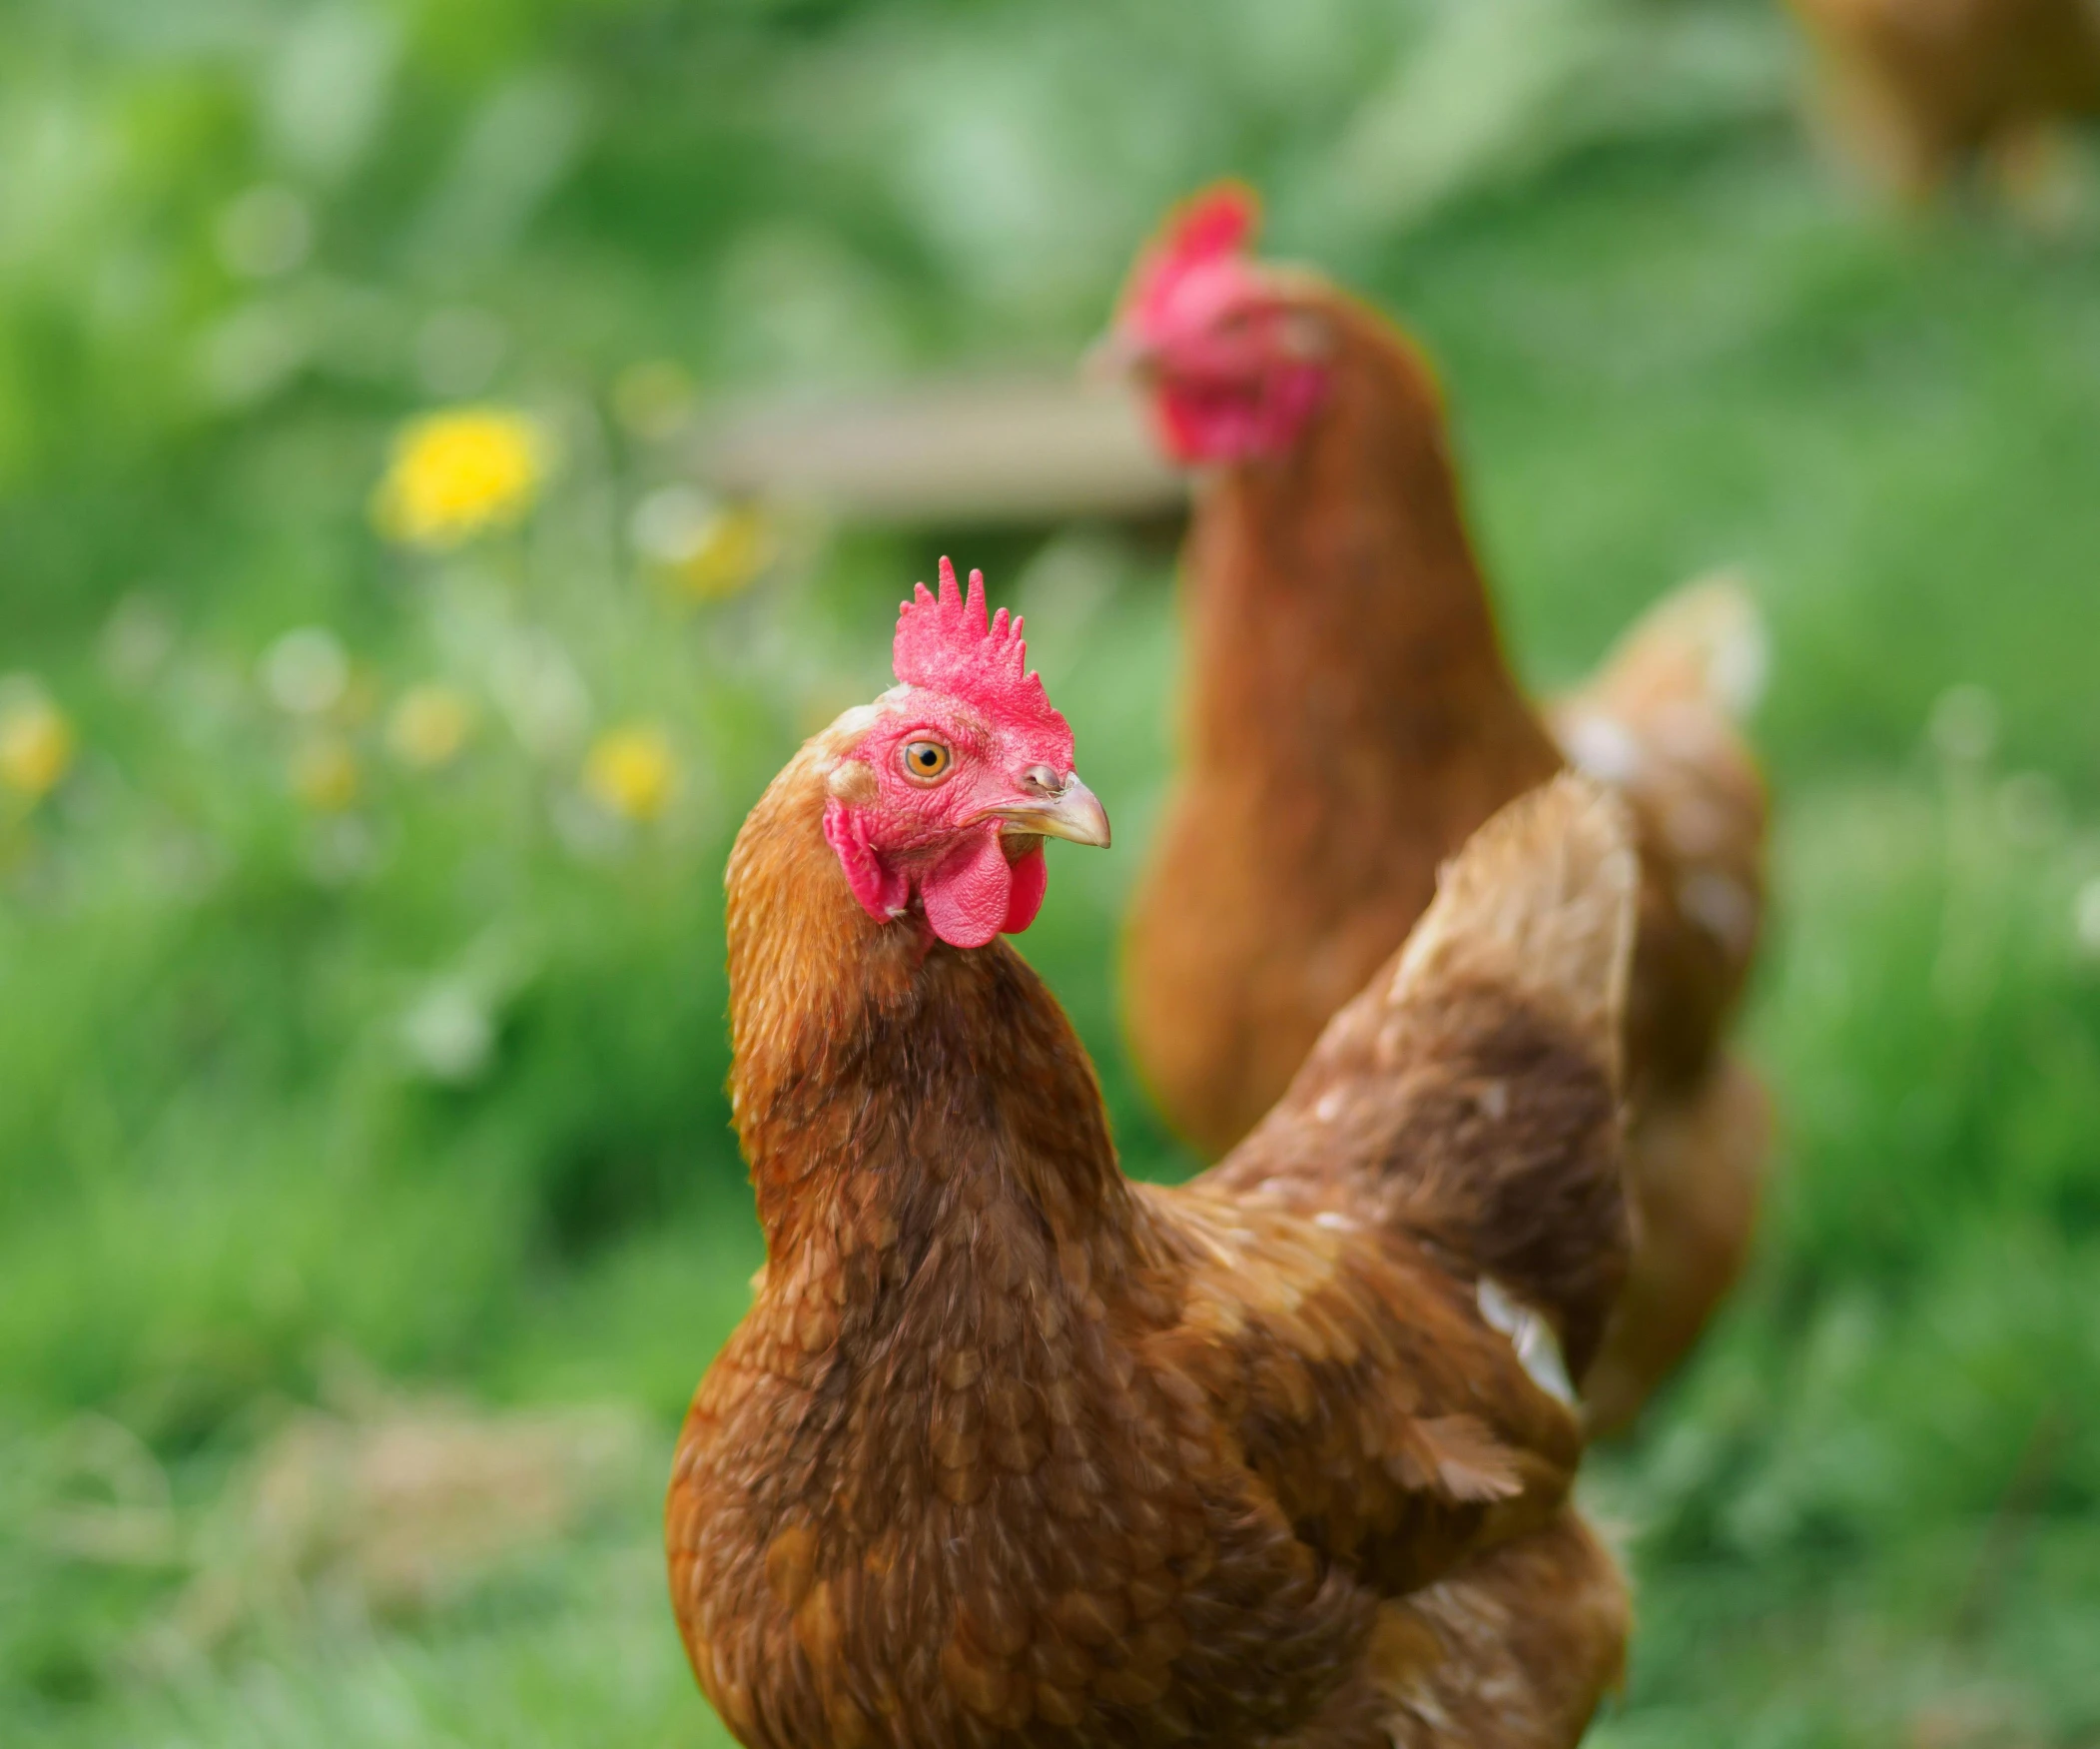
(1542, 899)
(1660, 723)
(1704, 643)
(1471, 1093)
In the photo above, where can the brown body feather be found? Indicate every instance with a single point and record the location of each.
(1012, 1450)
(1350, 719)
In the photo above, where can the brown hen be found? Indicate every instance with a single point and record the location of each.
(1919, 88)
(1013, 1450)
(1350, 718)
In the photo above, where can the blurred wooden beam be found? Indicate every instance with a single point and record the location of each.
(1018, 451)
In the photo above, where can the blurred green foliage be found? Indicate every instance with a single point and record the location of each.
(311, 1049)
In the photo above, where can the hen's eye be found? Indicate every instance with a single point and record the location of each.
(926, 761)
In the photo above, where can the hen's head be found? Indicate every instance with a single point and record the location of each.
(944, 788)
(1234, 363)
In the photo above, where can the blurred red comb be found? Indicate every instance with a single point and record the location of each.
(1212, 225)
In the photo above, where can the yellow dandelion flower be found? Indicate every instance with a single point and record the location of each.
(704, 550)
(733, 550)
(36, 739)
(428, 726)
(631, 772)
(453, 474)
(325, 774)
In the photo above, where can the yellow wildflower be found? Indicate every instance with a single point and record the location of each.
(36, 740)
(631, 772)
(325, 774)
(454, 473)
(705, 549)
(428, 726)
(732, 552)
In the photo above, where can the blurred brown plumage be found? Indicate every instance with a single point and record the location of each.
(1917, 89)
(1350, 718)
(1011, 1449)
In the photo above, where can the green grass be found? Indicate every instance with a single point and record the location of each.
(1869, 1515)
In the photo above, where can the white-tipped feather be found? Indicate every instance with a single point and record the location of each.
(1715, 622)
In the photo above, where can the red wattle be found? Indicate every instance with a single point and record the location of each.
(1030, 882)
(1237, 421)
(972, 895)
(970, 892)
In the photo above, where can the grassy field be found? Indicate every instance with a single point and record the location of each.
(367, 1207)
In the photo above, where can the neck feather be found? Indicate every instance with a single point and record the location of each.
(885, 1084)
(1334, 597)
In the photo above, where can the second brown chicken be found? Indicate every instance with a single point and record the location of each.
(1350, 718)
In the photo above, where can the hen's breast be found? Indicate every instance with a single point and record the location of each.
(1012, 1533)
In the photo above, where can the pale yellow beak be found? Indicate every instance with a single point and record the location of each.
(1116, 358)
(1074, 814)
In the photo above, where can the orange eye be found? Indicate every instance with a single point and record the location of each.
(926, 761)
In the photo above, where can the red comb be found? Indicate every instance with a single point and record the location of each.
(949, 643)
(1212, 225)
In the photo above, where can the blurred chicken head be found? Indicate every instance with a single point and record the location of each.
(1233, 366)
(948, 784)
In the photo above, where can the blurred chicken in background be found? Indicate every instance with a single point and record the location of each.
(1916, 90)
(1351, 718)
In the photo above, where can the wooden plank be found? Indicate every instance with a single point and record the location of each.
(991, 451)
